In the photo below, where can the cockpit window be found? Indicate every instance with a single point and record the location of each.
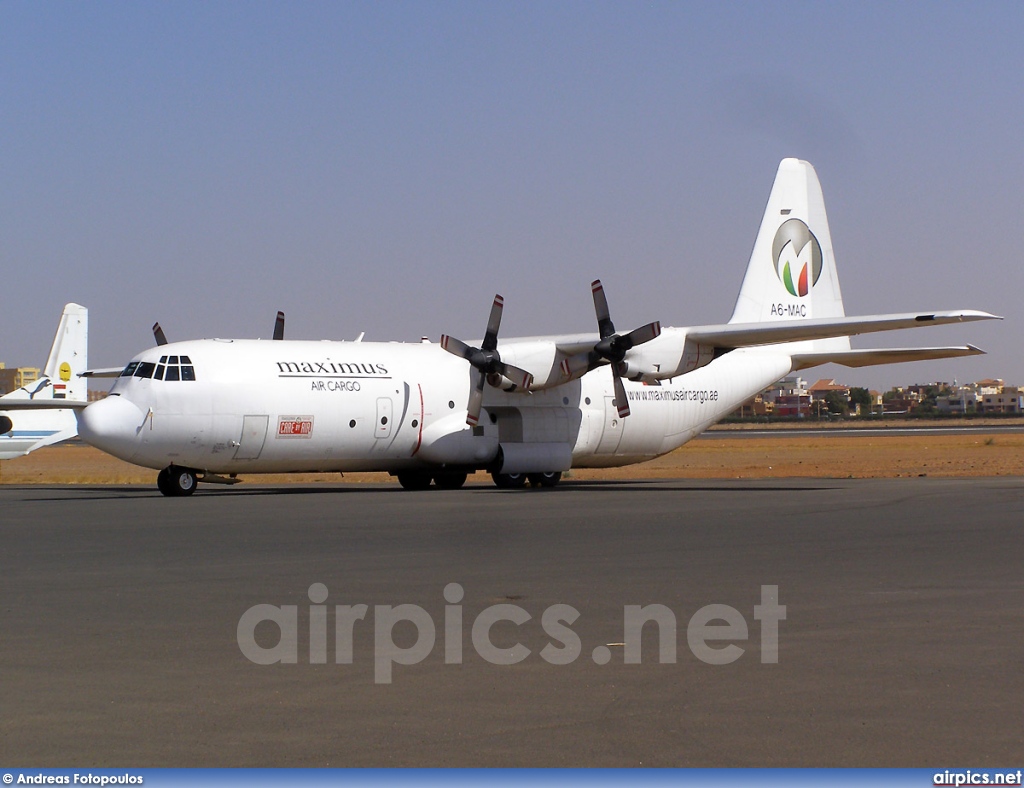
(172, 368)
(179, 368)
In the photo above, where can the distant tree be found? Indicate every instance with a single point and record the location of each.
(836, 403)
(861, 397)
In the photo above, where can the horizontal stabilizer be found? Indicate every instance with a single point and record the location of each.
(41, 404)
(109, 372)
(868, 358)
(737, 335)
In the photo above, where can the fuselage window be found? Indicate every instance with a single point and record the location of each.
(188, 373)
(130, 369)
(172, 373)
(145, 369)
(159, 374)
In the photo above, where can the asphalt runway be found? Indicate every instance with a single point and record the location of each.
(903, 642)
(852, 432)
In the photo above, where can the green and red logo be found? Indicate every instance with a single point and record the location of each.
(797, 256)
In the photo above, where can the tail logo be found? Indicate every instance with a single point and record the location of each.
(797, 257)
(65, 371)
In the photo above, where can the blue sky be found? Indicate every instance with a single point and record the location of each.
(388, 167)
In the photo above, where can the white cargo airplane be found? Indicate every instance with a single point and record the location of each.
(24, 431)
(522, 409)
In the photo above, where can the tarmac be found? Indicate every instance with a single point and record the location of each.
(902, 642)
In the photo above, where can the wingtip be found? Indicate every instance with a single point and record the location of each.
(977, 314)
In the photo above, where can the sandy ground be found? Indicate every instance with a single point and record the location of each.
(785, 454)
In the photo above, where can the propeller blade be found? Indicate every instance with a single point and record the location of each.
(456, 347)
(476, 399)
(279, 326)
(158, 334)
(643, 334)
(604, 318)
(621, 403)
(520, 377)
(493, 324)
(580, 364)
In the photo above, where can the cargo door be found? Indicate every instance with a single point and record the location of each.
(254, 435)
(612, 432)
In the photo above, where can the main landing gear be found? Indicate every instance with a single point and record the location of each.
(175, 482)
(453, 480)
(420, 480)
(514, 481)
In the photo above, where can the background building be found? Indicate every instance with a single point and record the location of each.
(14, 379)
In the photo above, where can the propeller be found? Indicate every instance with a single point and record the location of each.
(161, 338)
(486, 362)
(612, 347)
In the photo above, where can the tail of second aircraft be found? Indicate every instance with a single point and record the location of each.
(69, 354)
(792, 271)
(23, 431)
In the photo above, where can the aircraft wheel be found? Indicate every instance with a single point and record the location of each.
(545, 479)
(176, 482)
(414, 480)
(450, 480)
(509, 481)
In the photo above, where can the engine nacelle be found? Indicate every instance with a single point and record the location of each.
(694, 356)
(539, 357)
(670, 355)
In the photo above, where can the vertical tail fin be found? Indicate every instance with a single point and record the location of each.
(792, 271)
(24, 431)
(69, 355)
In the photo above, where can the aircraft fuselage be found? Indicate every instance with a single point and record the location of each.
(251, 406)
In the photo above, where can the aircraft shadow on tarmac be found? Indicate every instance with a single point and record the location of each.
(668, 486)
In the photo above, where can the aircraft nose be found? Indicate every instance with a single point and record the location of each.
(113, 425)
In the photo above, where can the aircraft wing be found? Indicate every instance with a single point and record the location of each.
(867, 358)
(737, 335)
